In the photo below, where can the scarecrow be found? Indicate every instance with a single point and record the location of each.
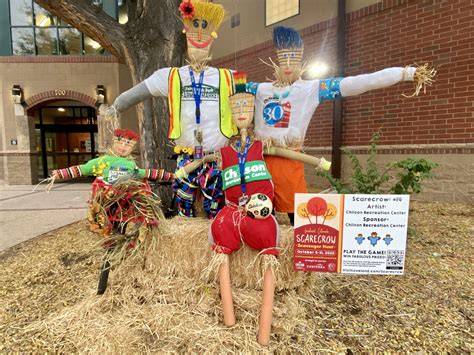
(123, 208)
(247, 214)
(198, 96)
(284, 107)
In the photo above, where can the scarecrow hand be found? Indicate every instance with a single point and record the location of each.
(324, 164)
(109, 112)
(181, 174)
(423, 76)
(55, 175)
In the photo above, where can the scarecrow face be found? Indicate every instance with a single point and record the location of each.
(199, 39)
(123, 146)
(242, 106)
(289, 62)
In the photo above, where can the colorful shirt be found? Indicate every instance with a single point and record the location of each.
(112, 169)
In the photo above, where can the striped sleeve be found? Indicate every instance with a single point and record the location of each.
(70, 173)
(155, 174)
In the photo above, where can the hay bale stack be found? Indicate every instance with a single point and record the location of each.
(183, 250)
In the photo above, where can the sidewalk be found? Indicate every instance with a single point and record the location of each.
(25, 214)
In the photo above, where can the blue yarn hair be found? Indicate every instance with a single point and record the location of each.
(286, 37)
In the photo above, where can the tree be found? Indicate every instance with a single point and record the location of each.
(151, 39)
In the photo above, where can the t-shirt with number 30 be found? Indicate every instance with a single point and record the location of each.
(282, 114)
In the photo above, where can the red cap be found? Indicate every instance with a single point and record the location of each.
(127, 133)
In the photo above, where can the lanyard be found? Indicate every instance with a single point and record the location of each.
(242, 159)
(197, 90)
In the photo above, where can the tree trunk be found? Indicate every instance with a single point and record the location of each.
(151, 39)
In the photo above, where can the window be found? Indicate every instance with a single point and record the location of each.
(34, 31)
(279, 10)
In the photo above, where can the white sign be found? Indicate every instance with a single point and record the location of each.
(375, 233)
(355, 234)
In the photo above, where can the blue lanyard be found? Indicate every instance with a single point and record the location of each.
(242, 159)
(197, 90)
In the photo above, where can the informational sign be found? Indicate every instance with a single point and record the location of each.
(356, 234)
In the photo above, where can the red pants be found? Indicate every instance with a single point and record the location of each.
(225, 233)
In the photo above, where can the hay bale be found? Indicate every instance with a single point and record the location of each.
(183, 250)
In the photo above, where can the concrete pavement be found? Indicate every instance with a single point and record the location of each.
(25, 214)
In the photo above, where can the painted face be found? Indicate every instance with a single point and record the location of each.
(199, 39)
(242, 106)
(123, 146)
(289, 62)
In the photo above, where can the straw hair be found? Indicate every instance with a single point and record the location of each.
(212, 13)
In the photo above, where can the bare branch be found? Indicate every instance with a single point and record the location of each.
(90, 20)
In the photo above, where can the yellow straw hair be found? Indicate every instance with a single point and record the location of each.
(212, 13)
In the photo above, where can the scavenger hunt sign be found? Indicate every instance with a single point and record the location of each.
(355, 234)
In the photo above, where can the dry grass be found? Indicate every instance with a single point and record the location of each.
(48, 302)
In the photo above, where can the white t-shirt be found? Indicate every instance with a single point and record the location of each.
(213, 139)
(283, 113)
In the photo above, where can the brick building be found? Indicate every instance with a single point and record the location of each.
(379, 34)
(57, 76)
(438, 126)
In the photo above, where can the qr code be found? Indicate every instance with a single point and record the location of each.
(395, 259)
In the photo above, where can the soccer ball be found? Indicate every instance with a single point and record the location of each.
(259, 206)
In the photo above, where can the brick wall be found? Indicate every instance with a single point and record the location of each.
(392, 33)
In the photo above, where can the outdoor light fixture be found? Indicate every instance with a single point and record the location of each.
(318, 70)
(100, 94)
(61, 109)
(17, 94)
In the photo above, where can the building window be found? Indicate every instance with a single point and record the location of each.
(279, 10)
(34, 31)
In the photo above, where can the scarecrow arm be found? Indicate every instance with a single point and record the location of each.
(155, 85)
(76, 170)
(356, 85)
(185, 170)
(305, 158)
(132, 97)
(155, 175)
(331, 88)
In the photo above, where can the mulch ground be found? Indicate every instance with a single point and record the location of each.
(429, 308)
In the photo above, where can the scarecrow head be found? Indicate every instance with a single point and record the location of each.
(241, 103)
(124, 142)
(201, 21)
(289, 47)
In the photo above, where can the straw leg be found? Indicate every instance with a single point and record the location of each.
(226, 295)
(265, 324)
(103, 278)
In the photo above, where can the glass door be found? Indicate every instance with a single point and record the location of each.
(65, 139)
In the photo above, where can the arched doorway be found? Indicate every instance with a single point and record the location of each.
(66, 133)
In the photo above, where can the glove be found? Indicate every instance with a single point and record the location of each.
(181, 174)
(324, 164)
